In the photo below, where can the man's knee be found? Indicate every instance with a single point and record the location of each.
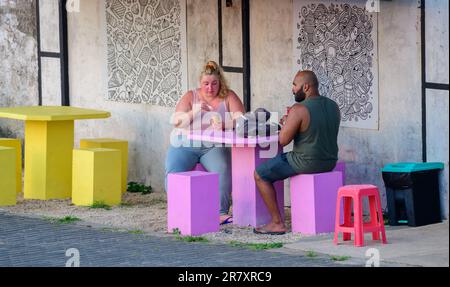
(257, 177)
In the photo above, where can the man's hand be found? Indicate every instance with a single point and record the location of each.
(292, 124)
(283, 120)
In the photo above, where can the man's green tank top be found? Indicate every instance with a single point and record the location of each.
(316, 149)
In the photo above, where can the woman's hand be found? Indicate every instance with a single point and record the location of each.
(217, 126)
(206, 107)
(201, 107)
(216, 123)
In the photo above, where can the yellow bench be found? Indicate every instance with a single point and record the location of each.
(96, 176)
(7, 176)
(109, 143)
(15, 143)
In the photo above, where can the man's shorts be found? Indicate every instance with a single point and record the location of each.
(274, 169)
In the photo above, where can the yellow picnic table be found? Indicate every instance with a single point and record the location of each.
(49, 139)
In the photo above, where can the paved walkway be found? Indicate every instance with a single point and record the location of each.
(35, 242)
(426, 246)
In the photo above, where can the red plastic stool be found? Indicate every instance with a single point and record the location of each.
(358, 227)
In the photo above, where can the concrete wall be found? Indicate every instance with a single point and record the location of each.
(49, 41)
(202, 37)
(437, 101)
(399, 134)
(203, 40)
(365, 151)
(147, 127)
(18, 60)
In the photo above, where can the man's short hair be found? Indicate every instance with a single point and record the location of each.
(309, 77)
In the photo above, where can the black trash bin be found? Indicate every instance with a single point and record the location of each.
(412, 191)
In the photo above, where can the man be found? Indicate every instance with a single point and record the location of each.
(313, 124)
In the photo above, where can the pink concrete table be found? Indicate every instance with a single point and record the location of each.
(246, 155)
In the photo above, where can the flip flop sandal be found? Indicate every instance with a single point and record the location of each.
(268, 232)
(228, 220)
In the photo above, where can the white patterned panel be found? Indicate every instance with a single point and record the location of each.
(146, 51)
(338, 41)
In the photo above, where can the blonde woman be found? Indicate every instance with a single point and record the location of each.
(216, 99)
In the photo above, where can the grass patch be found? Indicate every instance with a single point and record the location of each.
(100, 204)
(193, 239)
(339, 258)
(111, 229)
(178, 236)
(155, 201)
(256, 246)
(63, 220)
(126, 204)
(311, 254)
(136, 187)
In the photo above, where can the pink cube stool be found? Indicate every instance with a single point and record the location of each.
(199, 167)
(193, 202)
(313, 202)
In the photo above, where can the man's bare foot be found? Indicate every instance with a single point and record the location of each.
(271, 228)
(226, 219)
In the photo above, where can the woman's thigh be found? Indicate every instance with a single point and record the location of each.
(181, 159)
(217, 159)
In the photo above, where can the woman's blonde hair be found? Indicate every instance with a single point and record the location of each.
(212, 68)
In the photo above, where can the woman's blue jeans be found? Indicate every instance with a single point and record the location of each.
(213, 159)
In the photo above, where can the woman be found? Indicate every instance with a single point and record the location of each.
(213, 97)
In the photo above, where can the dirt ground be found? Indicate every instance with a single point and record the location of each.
(138, 213)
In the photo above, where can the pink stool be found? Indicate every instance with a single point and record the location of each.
(193, 202)
(199, 167)
(358, 227)
(313, 202)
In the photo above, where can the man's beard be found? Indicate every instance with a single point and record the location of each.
(300, 96)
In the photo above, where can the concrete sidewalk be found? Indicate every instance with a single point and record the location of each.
(426, 246)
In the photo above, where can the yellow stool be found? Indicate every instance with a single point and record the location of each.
(96, 176)
(112, 144)
(7, 176)
(15, 143)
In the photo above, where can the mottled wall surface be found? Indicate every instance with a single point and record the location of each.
(202, 37)
(271, 54)
(365, 151)
(437, 71)
(399, 135)
(18, 59)
(147, 127)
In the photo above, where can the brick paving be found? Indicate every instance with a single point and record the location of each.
(39, 243)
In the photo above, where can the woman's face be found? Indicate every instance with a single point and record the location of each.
(210, 85)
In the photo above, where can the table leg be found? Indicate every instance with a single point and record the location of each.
(248, 206)
(48, 159)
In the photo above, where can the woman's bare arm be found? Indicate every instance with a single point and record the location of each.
(183, 112)
(236, 107)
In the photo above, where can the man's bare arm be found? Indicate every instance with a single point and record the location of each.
(292, 125)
